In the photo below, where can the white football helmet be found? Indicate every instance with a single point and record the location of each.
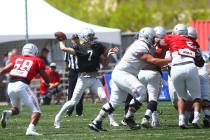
(30, 49)
(159, 32)
(87, 34)
(192, 32)
(147, 34)
(180, 29)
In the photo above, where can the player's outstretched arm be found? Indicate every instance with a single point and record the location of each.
(7, 68)
(65, 49)
(156, 61)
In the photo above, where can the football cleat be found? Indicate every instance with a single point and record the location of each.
(131, 123)
(32, 132)
(155, 120)
(145, 123)
(123, 122)
(155, 124)
(4, 119)
(96, 126)
(196, 123)
(114, 123)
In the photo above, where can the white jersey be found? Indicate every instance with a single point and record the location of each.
(130, 61)
(177, 58)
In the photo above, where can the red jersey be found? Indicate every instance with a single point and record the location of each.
(54, 78)
(26, 67)
(176, 42)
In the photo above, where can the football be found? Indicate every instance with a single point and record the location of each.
(60, 36)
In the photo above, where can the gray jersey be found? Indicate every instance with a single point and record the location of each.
(149, 66)
(130, 62)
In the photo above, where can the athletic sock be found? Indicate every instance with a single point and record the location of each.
(130, 113)
(196, 115)
(9, 113)
(148, 114)
(31, 126)
(102, 114)
(181, 117)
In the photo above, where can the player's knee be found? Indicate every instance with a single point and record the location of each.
(139, 92)
(135, 104)
(108, 108)
(15, 111)
(152, 105)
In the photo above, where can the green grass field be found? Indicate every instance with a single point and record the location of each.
(76, 128)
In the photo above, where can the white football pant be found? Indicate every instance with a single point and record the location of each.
(152, 81)
(185, 79)
(124, 83)
(19, 91)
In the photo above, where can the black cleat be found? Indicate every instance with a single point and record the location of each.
(131, 123)
(4, 119)
(183, 127)
(96, 126)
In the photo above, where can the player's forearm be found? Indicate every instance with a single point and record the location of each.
(65, 49)
(160, 62)
(104, 60)
(45, 77)
(6, 69)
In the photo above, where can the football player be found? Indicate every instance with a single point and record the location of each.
(150, 77)
(124, 79)
(184, 73)
(22, 70)
(90, 55)
(204, 82)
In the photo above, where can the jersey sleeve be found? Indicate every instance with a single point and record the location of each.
(77, 50)
(167, 39)
(41, 64)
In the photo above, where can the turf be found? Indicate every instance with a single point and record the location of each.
(75, 128)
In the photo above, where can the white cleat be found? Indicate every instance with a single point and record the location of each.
(57, 122)
(114, 123)
(4, 119)
(123, 123)
(155, 124)
(196, 123)
(155, 120)
(145, 123)
(32, 132)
